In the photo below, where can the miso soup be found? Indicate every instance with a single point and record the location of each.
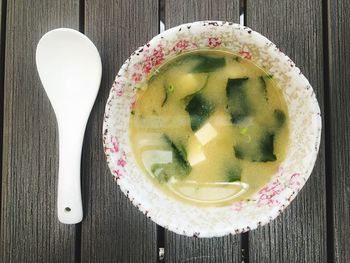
(209, 127)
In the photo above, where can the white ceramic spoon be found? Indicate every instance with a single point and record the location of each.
(69, 67)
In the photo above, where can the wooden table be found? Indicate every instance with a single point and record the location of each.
(314, 228)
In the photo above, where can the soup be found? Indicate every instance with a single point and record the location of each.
(209, 127)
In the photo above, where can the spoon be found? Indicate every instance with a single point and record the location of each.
(70, 69)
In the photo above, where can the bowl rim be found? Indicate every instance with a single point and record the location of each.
(134, 198)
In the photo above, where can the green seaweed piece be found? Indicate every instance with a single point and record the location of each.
(280, 118)
(234, 174)
(262, 151)
(179, 157)
(266, 148)
(207, 64)
(159, 170)
(165, 97)
(263, 86)
(235, 86)
(238, 117)
(237, 58)
(239, 152)
(179, 166)
(238, 105)
(199, 109)
(178, 150)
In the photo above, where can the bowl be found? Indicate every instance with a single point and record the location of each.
(269, 201)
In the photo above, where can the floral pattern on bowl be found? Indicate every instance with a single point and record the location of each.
(273, 198)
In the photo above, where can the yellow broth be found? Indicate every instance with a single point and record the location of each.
(209, 127)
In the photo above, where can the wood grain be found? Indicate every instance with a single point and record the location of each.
(113, 229)
(299, 234)
(2, 72)
(30, 231)
(208, 250)
(179, 248)
(339, 121)
(186, 11)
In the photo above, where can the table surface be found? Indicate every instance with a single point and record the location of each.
(314, 228)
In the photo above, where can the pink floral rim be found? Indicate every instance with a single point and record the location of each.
(271, 200)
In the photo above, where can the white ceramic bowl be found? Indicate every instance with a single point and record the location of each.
(275, 196)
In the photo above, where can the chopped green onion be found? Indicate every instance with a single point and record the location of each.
(171, 88)
(243, 131)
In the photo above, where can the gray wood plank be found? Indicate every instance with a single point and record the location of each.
(299, 234)
(113, 229)
(339, 97)
(186, 249)
(2, 69)
(186, 11)
(30, 231)
(179, 248)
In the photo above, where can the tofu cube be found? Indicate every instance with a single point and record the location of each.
(206, 133)
(195, 153)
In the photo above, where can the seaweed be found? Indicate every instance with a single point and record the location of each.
(199, 109)
(266, 148)
(262, 151)
(207, 64)
(178, 167)
(238, 104)
(159, 170)
(234, 174)
(263, 87)
(280, 118)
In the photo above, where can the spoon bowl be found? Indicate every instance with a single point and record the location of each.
(70, 69)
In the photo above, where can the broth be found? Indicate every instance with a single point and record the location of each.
(209, 127)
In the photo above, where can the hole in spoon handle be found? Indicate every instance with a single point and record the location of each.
(69, 204)
(69, 207)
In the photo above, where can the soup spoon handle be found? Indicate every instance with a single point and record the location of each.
(69, 203)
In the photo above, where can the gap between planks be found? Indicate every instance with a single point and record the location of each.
(78, 229)
(160, 230)
(328, 131)
(3, 12)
